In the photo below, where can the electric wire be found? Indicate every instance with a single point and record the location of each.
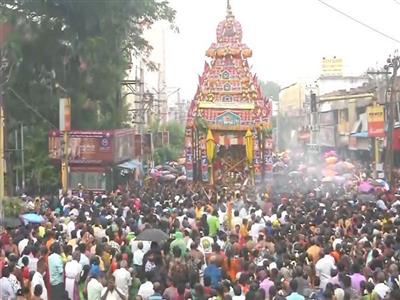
(360, 22)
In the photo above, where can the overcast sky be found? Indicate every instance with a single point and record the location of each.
(288, 37)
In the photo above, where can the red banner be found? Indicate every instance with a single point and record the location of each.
(376, 121)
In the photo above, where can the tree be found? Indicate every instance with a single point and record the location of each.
(74, 48)
(270, 89)
(174, 150)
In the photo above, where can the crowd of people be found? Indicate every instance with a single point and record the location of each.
(225, 243)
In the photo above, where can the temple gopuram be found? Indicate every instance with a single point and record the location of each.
(228, 131)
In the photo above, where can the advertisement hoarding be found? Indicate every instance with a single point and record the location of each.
(123, 144)
(84, 147)
(376, 121)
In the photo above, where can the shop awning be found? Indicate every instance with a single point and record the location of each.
(362, 134)
(131, 164)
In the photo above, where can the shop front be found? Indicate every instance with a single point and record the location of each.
(95, 158)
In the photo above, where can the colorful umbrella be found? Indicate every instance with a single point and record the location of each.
(32, 218)
(383, 184)
(365, 187)
(155, 173)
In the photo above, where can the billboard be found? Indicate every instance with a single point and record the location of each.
(376, 121)
(332, 66)
(84, 147)
(123, 144)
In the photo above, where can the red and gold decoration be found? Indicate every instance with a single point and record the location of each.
(228, 104)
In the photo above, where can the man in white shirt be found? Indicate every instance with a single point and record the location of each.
(111, 292)
(138, 256)
(37, 279)
(146, 289)
(84, 261)
(71, 224)
(123, 278)
(236, 219)
(6, 289)
(22, 244)
(255, 228)
(381, 288)
(324, 268)
(95, 287)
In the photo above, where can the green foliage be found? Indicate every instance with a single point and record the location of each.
(201, 124)
(13, 207)
(270, 89)
(176, 142)
(77, 48)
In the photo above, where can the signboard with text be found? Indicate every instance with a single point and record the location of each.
(93, 147)
(332, 66)
(84, 147)
(376, 121)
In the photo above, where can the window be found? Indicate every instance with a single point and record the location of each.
(227, 87)
(227, 99)
(225, 75)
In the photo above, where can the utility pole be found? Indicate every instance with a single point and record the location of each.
(4, 65)
(22, 159)
(393, 65)
(375, 140)
(65, 127)
(142, 117)
(312, 109)
(17, 186)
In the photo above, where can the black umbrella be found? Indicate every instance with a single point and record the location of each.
(152, 235)
(11, 222)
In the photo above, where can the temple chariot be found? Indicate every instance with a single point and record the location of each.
(228, 135)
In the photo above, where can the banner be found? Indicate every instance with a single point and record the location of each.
(93, 147)
(84, 147)
(376, 121)
(123, 144)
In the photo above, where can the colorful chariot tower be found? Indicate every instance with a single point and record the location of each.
(228, 131)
